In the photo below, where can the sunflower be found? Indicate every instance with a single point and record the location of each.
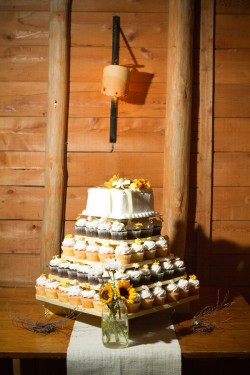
(106, 293)
(125, 291)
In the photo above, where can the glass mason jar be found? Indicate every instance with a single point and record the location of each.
(115, 325)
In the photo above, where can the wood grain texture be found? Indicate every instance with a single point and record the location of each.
(231, 169)
(178, 123)
(231, 134)
(231, 203)
(56, 132)
(22, 237)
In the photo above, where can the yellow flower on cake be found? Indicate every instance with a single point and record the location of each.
(109, 184)
(140, 183)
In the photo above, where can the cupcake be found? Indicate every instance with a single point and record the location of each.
(156, 272)
(63, 268)
(147, 298)
(146, 228)
(157, 226)
(118, 231)
(168, 269)
(72, 271)
(87, 298)
(98, 304)
(135, 275)
(123, 253)
(121, 275)
(80, 248)
(183, 288)
(137, 251)
(62, 291)
(68, 245)
(145, 275)
(161, 248)
(194, 285)
(51, 289)
(82, 273)
(53, 265)
(135, 306)
(91, 227)
(104, 229)
(159, 294)
(179, 267)
(74, 295)
(40, 285)
(80, 226)
(92, 252)
(94, 275)
(149, 249)
(172, 292)
(133, 230)
(106, 251)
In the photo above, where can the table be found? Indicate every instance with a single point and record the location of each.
(226, 348)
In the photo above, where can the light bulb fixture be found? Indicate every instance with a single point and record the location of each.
(115, 79)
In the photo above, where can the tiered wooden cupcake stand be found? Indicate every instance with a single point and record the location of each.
(57, 307)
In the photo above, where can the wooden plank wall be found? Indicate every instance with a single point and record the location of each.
(230, 257)
(140, 141)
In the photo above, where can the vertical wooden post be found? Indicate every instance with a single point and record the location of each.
(56, 131)
(178, 123)
(204, 191)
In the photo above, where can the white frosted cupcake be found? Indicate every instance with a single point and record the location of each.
(161, 248)
(91, 227)
(53, 265)
(123, 253)
(68, 245)
(63, 268)
(80, 248)
(179, 267)
(92, 252)
(62, 291)
(72, 271)
(135, 306)
(168, 269)
(194, 285)
(137, 251)
(159, 294)
(156, 272)
(40, 285)
(106, 251)
(149, 249)
(172, 292)
(183, 288)
(51, 288)
(87, 298)
(118, 231)
(104, 229)
(147, 298)
(74, 293)
(80, 226)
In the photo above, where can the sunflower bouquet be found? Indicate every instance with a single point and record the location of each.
(115, 294)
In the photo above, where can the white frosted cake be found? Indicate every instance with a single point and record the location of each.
(121, 198)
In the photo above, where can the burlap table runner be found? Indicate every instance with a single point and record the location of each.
(153, 349)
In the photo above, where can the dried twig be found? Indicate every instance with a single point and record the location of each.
(207, 319)
(45, 325)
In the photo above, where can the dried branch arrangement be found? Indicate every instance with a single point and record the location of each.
(45, 325)
(209, 318)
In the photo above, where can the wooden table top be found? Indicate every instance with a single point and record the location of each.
(230, 338)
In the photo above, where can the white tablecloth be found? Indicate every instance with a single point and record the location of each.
(153, 349)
